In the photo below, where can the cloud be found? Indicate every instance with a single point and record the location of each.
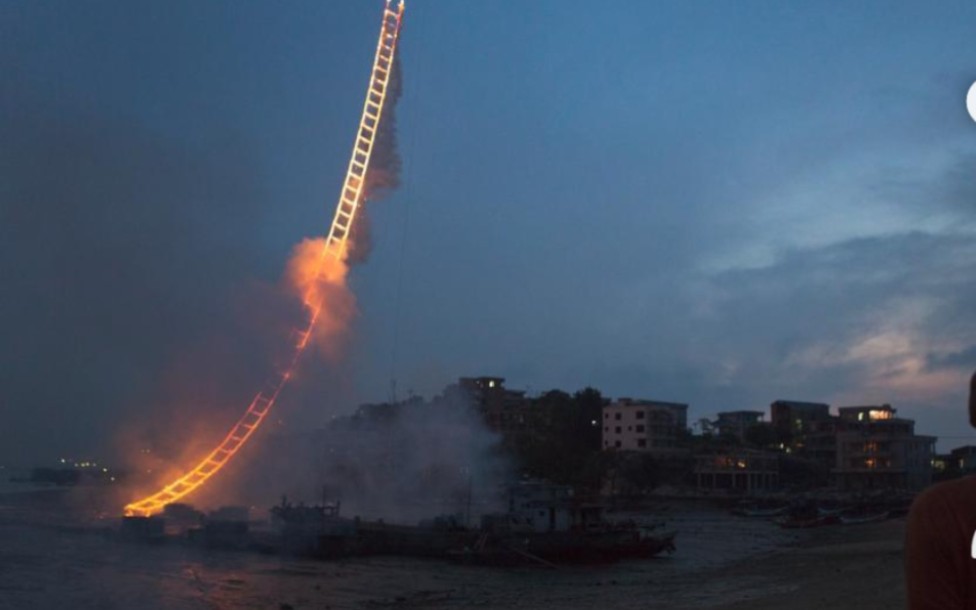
(964, 358)
(855, 321)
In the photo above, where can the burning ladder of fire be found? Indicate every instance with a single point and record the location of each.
(336, 244)
(352, 189)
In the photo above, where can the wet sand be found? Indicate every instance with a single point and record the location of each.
(856, 567)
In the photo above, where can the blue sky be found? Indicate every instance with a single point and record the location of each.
(711, 202)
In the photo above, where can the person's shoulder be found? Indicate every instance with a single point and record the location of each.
(946, 494)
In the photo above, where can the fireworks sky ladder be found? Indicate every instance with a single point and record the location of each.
(351, 198)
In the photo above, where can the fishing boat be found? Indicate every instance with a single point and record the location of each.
(546, 525)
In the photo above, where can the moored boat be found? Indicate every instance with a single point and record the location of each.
(761, 512)
(546, 525)
(859, 518)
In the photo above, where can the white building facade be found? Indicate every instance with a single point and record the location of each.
(650, 426)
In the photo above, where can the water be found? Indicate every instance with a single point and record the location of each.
(46, 564)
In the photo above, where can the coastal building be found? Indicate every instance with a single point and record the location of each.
(650, 426)
(963, 459)
(877, 450)
(735, 423)
(739, 469)
(817, 445)
(958, 462)
(791, 418)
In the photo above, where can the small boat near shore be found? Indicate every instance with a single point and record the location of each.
(546, 525)
(858, 518)
(759, 511)
(561, 548)
(788, 522)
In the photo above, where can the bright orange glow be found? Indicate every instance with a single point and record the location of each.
(320, 280)
(317, 271)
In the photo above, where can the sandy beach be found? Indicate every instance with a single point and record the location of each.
(856, 567)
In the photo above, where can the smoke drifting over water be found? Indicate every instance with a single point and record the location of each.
(410, 461)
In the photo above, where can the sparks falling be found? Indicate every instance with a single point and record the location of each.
(317, 271)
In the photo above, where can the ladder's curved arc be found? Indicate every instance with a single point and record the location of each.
(350, 200)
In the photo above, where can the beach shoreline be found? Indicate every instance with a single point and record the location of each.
(856, 567)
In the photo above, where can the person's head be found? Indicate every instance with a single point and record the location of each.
(972, 400)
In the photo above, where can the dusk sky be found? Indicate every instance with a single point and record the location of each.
(718, 203)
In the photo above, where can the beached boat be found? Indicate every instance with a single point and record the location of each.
(858, 518)
(546, 525)
(761, 512)
(806, 522)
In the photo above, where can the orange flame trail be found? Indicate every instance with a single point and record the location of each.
(318, 269)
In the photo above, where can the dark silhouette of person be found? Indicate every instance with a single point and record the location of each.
(940, 571)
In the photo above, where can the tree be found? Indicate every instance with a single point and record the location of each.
(760, 436)
(638, 472)
(565, 438)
